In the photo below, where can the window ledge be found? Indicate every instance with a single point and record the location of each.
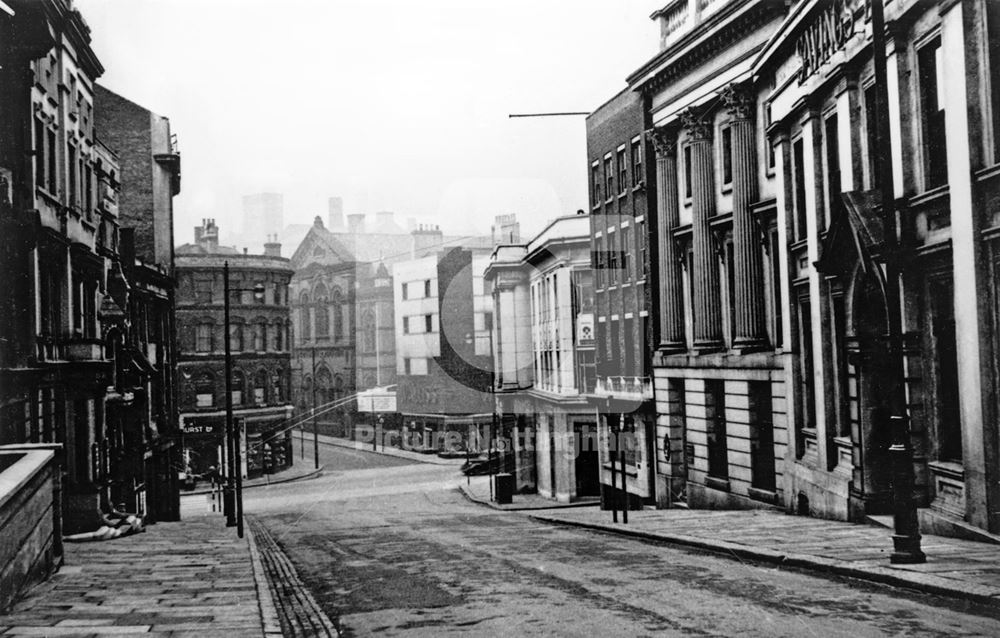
(716, 483)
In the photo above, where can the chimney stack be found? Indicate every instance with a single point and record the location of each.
(506, 230)
(336, 209)
(207, 236)
(356, 223)
(272, 247)
(427, 240)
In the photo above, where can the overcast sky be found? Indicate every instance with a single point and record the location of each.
(394, 105)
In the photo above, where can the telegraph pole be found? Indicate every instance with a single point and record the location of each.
(229, 497)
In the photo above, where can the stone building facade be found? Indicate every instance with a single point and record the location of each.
(720, 364)
(259, 344)
(543, 354)
(75, 354)
(772, 364)
(944, 141)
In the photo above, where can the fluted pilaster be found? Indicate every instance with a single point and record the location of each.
(707, 300)
(749, 329)
(668, 217)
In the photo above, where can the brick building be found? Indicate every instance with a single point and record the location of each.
(619, 178)
(260, 347)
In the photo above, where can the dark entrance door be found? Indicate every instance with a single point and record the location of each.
(872, 479)
(586, 464)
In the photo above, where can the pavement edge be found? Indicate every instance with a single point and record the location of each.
(268, 612)
(525, 508)
(315, 473)
(926, 583)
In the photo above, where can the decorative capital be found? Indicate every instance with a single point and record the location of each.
(699, 128)
(739, 101)
(663, 143)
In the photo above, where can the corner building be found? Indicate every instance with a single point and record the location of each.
(259, 346)
(944, 120)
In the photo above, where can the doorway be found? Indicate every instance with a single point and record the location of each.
(586, 464)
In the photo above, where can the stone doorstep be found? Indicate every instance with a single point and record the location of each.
(890, 575)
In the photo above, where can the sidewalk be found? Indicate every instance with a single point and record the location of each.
(193, 578)
(433, 459)
(954, 567)
(478, 491)
(301, 470)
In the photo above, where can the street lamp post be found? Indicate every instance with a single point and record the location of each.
(314, 420)
(906, 539)
(234, 483)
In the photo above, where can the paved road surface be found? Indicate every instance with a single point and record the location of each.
(394, 550)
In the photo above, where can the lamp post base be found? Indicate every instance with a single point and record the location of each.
(906, 550)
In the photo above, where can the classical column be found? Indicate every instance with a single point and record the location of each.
(705, 277)
(749, 330)
(668, 218)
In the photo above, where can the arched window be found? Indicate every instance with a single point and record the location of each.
(305, 395)
(279, 335)
(203, 337)
(305, 327)
(239, 383)
(324, 383)
(338, 315)
(236, 336)
(322, 312)
(368, 332)
(278, 386)
(260, 387)
(260, 335)
(204, 390)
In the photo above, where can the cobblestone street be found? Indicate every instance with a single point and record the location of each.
(399, 551)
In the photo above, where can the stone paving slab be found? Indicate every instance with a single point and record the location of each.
(955, 567)
(194, 577)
